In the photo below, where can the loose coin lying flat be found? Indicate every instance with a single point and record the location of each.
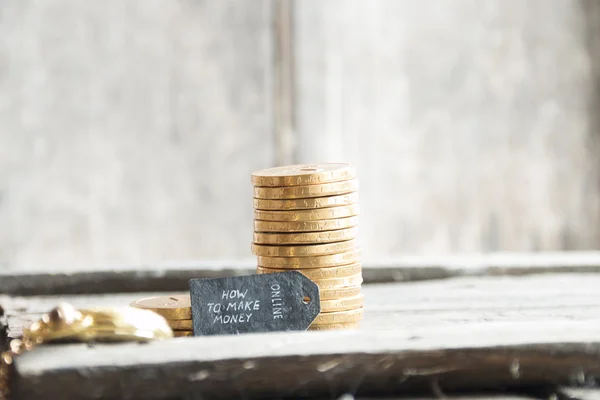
(170, 307)
(336, 293)
(332, 260)
(303, 174)
(305, 226)
(306, 237)
(333, 327)
(183, 333)
(344, 304)
(181, 324)
(306, 204)
(339, 317)
(316, 274)
(308, 215)
(303, 251)
(303, 192)
(338, 283)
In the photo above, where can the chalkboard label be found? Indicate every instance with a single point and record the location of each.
(285, 301)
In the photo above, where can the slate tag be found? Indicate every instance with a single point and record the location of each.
(285, 301)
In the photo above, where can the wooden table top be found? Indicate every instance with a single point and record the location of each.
(523, 333)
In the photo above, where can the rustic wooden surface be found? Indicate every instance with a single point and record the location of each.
(525, 333)
(3, 329)
(401, 361)
(175, 276)
(462, 302)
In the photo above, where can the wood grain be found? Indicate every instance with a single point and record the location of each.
(316, 364)
(470, 333)
(3, 330)
(414, 306)
(175, 276)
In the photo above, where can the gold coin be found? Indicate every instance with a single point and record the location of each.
(303, 192)
(318, 214)
(316, 274)
(340, 235)
(344, 304)
(339, 317)
(170, 307)
(303, 251)
(305, 226)
(65, 323)
(330, 288)
(306, 204)
(180, 324)
(332, 260)
(183, 333)
(115, 317)
(303, 174)
(333, 327)
(336, 293)
(338, 283)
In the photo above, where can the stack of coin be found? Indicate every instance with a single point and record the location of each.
(176, 309)
(306, 220)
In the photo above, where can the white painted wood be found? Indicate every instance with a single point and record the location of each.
(469, 120)
(281, 364)
(464, 332)
(175, 276)
(129, 130)
(582, 393)
(478, 302)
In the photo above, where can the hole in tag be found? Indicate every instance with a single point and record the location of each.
(306, 300)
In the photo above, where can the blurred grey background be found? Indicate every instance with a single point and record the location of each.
(129, 129)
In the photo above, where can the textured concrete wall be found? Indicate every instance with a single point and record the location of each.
(472, 122)
(128, 129)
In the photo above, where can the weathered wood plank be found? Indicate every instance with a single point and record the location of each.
(117, 280)
(482, 325)
(3, 330)
(456, 116)
(487, 396)
(580, 393)
(452, 303)
(129, 129)
(175, 276)
(402, 361)
(503, 395)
